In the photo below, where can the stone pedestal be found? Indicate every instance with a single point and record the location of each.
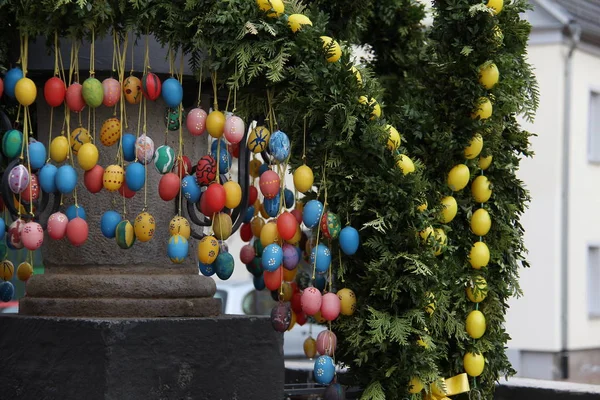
(140, 359)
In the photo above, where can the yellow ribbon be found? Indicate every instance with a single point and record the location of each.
(449, 387)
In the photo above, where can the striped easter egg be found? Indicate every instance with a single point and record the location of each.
(151, 86)
(125, 234)
(164, 158)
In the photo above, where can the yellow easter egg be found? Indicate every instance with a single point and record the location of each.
(256, 225)
(357, 74)
(289, 274)
(222, 226)
(488, 75)
(480, 222)
(480, 189)
(415, 385)
(475, 324)
(485, 162)
(292, 320)
(319, 318)
(474, 148)
(110, 132)
(333, 49)
(295, 21)
(233, 194)
(347, 300)
(483, 109)
(180, 226)
(430, 307)
(208, 249)
(59, 149)
(375, 107)
(297, 236)
(263, 212)
(269, 234)
(274, 8)
(473, 364)
(215, 124)
(441, 240)
(7, 270)
(425, 233)
(405, 164)
(394, 138)
(449, 209)
(258, 140)
(287, 290)
(310, 347)
(24, 271)
(303, 178)
(87, 157)
(79, 137)
(478, 289)
(479, 256)
(132, 89)
(254, 168)
(113, 177)
(422, 207)
(144, 227)
(458, 177)
(495, 5)
(25, 91)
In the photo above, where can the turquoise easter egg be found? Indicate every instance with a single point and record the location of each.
(164, 159)
(65, 179)
(47, 178)
(190, 189)
(12, 143)
(75, 211)
(10, 81)
(108, 223)
(259, 282)
(279, 146)
(349, 240)
(37, 155)
(320, 256)
(224, 265)
(177, 249)
(272, 257)
(311, 214)
(2, 228)
(324, 370)
(135, 176)
(172, 92)
(128, 147)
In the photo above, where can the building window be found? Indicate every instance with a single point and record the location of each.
(593, 275)
(594, 128)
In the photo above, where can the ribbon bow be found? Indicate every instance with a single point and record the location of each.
(449, 387)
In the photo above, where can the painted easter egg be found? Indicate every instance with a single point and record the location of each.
(330, 225)
(87, 156)
(279, 146)
(79, 136)
(303, 178)
(234, 129)
(92, 92)
(47, 178)
(224, 157)
(224, 266)
(288, 198)
(59, 149)
(75, 211)
(128, 143)
(126, 192)
(77, 231)
(18, 179)
(168, 186)
(108, 223)
(55, 91)
(347, 301)
(271, 206)
(320, 256)
(151, 86)
(172, 118)
(258, 140)
(215, 124)
(207, 269)
(144, 149)
(233, 194)
(272, 257)
(125, 234)
(111, 89)
(172, 92)
(246, 232)
(311, 214)
(287, 225)
(32, 190)
(269, 184)
(330, 306)
(291, 256)
(2, 228)
(259, 282)
(310, 347)
(144, 227)
(135, 176)
(206, 170)
(37, 155)
(12, 142)
(132, 88)
(180, 226)
(94, 179)
(74, 97)
(24, 271)
(196, 121)
(14, 234)
(208, 249)
(164, 158)
(177, 249)
(113, 178)
(190, 189)
(214, 197)
(326, 341)
(247, 254)
(10, 81)
(7, 291)
(281, 316)
(110, 132)
(324, 370)
(32, 236)
(25, 91)
(311, 300)
(349, 240)
(273, 279)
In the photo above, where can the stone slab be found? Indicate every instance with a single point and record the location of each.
(222, 358)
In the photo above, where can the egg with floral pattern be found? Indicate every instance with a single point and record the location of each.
(324, 370)
(144, 227)
(177, 249)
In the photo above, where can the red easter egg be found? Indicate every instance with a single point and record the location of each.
(32, 190)
(273, 279)
(151, 86)
(32, 236)
(112, 92)
(330, 306)
(215, 198)
(297, 303)
(125, 191)
(203, 207)
(1, 87)
(298, 215)
(234, 150)
(252, 195)
(183, 166)
(57, 225)
(77, 231)
(286, 225)
(93, 179)
(168, 187)
(246, 232)
(2, 206)
(301, 318)
(196, 121)
(55, 91)
(247, 254)
(326, 343)
(311, 300)
(206, 170)
(74, 97)
(269, 184)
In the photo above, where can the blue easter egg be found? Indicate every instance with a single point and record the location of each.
(177, 249)
(129, 147)
(66, 179)
(324, 370)
(291, 256)
(215, 145)
(108, 223)
(74, 212)
(259, 282)
(224, 156)
(2, 228)
(349, 240)
(272, 205)
(263, 168)
(272, 257)
(249, 214)
(172, 92)
(206, 269)
(47, 178)
(311, 214)
(10, 81)
(224, 265)
(322, 255)
(320, 282)
(190, 188)
(37, 155)
(288, 197)
(279, 146)
(7, 290)
(135, 176)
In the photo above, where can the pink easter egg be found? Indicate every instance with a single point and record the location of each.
(74, 97)
(32, 191)
(326, 343)
(311, 300)
(57, 225)
(112, 91)
(14, 234)
(234, 129)
(144, 149)
(330, 306)
(196, 121)
(18, 179)
(247, 254)
(32, 236)
(77, 231)
(269, 184)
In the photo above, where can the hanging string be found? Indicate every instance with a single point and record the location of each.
(304, 142)
(214, 86)
(200, 86)
(92, 73)
(322, 185)
(180, 150)
(121, 70)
